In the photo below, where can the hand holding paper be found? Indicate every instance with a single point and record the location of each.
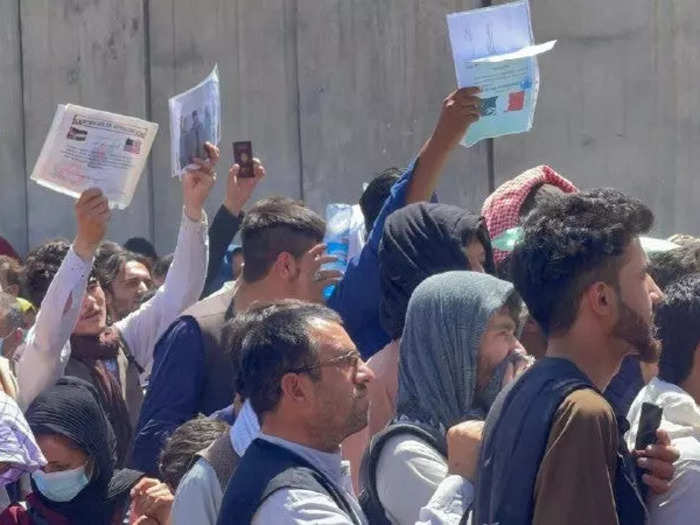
(197, 183)
(92, 215)
(459, 110)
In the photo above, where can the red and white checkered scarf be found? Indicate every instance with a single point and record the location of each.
(502, 208)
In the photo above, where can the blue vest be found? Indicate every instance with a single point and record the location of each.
(515, 438)
(266, 468)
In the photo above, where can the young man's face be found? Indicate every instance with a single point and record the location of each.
(93, 312)
(635, 304)
(497, 343)
(126, 291)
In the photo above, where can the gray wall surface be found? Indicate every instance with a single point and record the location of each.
(332, 91)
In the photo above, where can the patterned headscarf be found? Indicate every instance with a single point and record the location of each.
(502, 208)
(19, 448)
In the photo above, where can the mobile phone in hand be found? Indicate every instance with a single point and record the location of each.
(243, 156)
(649, 422)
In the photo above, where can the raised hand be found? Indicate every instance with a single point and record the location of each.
(92, 215)
(463, 446)
(460, 109)
(197, 183)
(239, 189)
(314, 280)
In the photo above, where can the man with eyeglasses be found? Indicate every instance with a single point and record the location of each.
(307, 383)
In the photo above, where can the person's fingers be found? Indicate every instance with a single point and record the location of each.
(89, 194)
(508, 375)
(325, 275)
(316, 250)
(662, 452)
(657, 468)
(212, 151)
(662, 437)
(259, 172)
(324, 259)
(468, 91)
(658, 486)
(97, 206)
(234, 170)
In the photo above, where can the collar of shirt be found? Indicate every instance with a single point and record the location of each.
(330, 464)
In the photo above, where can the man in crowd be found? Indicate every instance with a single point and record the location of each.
(677, 391)
(283, 255)
(669, 266)
(356, 298)
(125, 278)
(308, 385)
(582, 272)
(10, 275)
(71, 335)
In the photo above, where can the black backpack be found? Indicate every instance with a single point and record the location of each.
(369, 498)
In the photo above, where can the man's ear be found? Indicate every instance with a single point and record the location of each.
(285, 266)
(602, 300)
(295, 388)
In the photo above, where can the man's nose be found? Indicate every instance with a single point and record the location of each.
(364, 373)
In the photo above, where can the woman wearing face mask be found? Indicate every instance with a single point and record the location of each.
(458, 349)
(78, 485)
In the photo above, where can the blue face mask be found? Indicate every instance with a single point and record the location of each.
(61, 486)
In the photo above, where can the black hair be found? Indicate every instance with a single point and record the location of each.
(678, 329)
(141, 246)
(568, 244)
(376, 193)
(276, 345)
(162, 265)
(274, 226)
(237, 250)
(180, 451)
(667, 267)
(41, 266)
(111, 267)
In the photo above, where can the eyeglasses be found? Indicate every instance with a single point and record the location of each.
(351, 359)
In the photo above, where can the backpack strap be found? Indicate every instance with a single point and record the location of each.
(369, 497)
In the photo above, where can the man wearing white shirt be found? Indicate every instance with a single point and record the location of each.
(677, 391)
(308, 385)
(71, 336)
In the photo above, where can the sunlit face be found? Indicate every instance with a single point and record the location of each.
(497, 343)
(61, 453)
(635, 304)
(341, 394)
(476, 254)
(126, 291)
(93, 312)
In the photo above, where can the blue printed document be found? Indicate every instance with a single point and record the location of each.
(493, 48)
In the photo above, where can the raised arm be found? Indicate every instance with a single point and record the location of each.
(183, 285)
(46, 350)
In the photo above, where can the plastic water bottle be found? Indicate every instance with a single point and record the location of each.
(337, 240)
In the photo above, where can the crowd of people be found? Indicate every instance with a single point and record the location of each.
(483, 368)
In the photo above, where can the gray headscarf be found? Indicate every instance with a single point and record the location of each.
(446, 320)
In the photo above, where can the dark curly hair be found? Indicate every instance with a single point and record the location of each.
(570, 243)
(42, 264)
(667, 267)
(678, 328)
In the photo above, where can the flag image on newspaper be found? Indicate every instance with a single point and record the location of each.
(88, 148)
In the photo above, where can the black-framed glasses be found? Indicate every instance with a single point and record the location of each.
(350, 358)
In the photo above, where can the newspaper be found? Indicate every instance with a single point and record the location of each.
(493, 49)
(89, 148)
(195, 118)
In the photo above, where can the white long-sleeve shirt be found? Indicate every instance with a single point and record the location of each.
(681, 419)
(46, 350)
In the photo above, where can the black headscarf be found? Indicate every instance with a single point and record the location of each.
(72, 409)
(421, 240)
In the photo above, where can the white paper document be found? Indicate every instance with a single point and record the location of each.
(89, 148)
(493, 49)
(195, 118)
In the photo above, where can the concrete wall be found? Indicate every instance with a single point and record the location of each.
(332, 91)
